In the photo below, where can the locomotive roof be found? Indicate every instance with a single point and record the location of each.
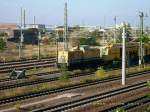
(133, 44)
(119, 45)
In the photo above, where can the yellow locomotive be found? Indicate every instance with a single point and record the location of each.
(83, 56)
(109, 54)
(112, 53)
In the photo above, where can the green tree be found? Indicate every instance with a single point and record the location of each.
(2, 44)
(144, 38)
(88, 41)
(96, 34)
(128, 30)
(80, 33)
(3, 34)
(119, 33)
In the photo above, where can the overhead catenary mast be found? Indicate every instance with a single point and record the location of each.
(65, 27)
(21, 36)
(124, 56)
(24, 18)
(115, 22)
(34, 21)
(141, 15)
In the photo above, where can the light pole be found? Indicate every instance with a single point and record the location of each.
(39, 47)
(123, 55)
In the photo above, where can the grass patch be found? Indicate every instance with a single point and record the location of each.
(100, 73)
(36, 88)
(120, 109)
(17, 107)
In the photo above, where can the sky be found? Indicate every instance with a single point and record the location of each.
(80, 12)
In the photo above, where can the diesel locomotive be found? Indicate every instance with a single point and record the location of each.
(106, 55)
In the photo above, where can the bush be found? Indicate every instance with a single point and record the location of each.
(148, 85)
(100, 73)
(63, 68)
(64, 76)
(120, 109)
(64, 73)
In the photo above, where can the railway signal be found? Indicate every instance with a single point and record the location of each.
(123, 55)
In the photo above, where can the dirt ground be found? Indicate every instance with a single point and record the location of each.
(29, 51)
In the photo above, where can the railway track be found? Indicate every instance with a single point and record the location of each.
(89, 100)
(57, 90)
(23, 61)
(8, 67)
(131, 104)
(4, 87)
(27, 83)
(38, 74)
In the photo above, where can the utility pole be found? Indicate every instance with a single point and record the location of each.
(104, 28)
(24, 15)
(34, 21)
(65, 27)
(141, 15)
(123, 56)
(21, 39)
(39, 49)
(115, 21)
